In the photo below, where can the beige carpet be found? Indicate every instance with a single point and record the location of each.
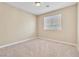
(39, 48)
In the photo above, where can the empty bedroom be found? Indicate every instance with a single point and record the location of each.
(39, 29)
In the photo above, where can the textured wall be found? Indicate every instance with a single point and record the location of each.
(15, 24)
(68, 19)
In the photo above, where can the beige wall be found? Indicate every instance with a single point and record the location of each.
(15, 24)
(78, 26)
(69, 19)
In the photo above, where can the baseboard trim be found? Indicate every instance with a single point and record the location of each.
(39, 37)
(17, 42)
(61, 42)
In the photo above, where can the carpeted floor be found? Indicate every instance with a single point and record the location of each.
(39, 48)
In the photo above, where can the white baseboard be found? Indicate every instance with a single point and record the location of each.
(38, 37)
(17, 42)
(57, 41)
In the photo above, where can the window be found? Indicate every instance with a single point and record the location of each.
(52, 22)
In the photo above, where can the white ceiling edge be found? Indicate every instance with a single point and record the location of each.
(61, 7)
(28, 7)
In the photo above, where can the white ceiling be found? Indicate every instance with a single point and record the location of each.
(30, 7)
